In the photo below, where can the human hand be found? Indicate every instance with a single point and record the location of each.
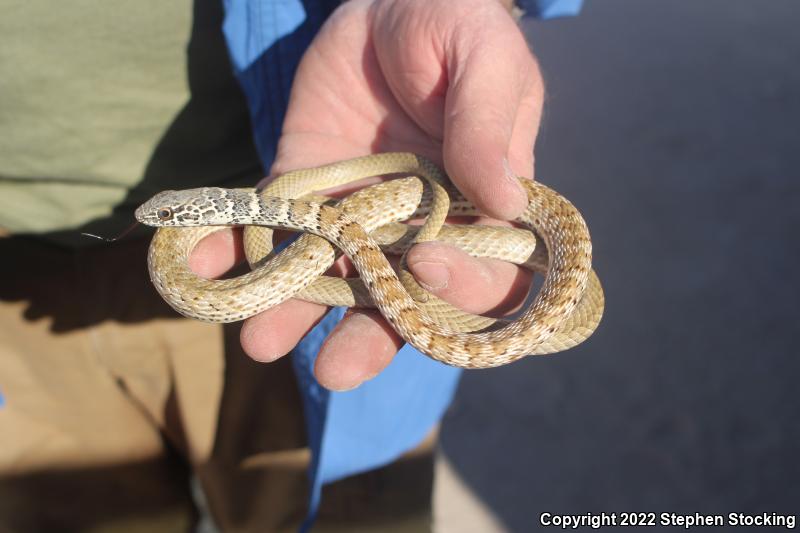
(453, 81)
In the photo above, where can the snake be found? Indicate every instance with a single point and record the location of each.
(551, 238)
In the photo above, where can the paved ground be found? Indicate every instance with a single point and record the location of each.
(675, 127)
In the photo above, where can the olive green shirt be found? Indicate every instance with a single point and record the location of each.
(103, 104)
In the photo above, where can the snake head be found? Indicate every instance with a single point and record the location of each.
(207, 206)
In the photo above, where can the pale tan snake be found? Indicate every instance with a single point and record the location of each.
(565, 312)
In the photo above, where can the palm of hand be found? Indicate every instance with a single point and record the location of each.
(342, 104)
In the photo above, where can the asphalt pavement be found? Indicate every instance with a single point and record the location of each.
(675, 128)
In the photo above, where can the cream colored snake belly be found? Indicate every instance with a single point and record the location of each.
(566, 310)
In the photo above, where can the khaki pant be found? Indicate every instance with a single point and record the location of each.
(112, 403)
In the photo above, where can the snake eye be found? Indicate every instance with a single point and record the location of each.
(165, 213)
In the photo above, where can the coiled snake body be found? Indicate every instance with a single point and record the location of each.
(565, 312)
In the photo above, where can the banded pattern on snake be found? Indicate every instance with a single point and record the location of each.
(565, 312)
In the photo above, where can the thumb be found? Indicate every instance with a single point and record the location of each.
(492, 114)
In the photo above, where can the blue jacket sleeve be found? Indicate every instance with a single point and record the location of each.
(548, 9)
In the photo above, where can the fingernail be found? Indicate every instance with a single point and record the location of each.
(343, 388)
(431, 275)
(518, 204)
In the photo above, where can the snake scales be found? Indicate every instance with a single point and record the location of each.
(566, 310)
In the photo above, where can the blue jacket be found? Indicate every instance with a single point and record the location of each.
(349, 432)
